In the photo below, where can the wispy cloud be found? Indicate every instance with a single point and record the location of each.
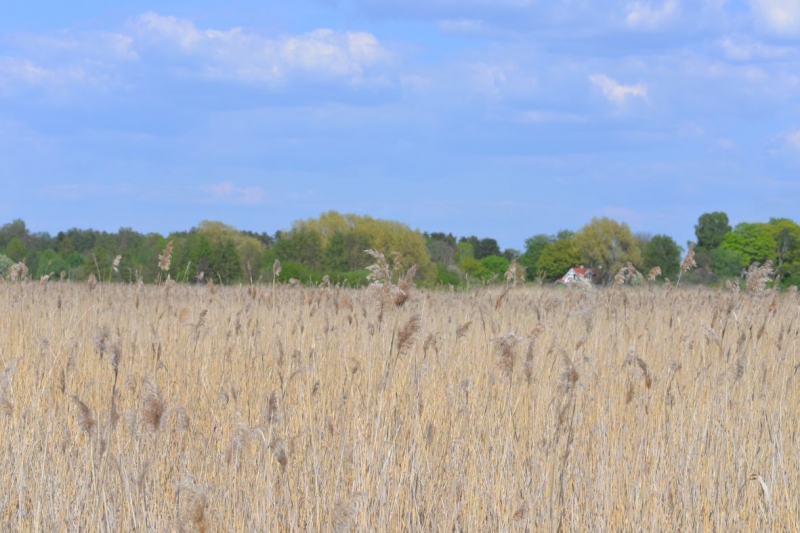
(617, 92)
(779, 16)
(238, 55)
(541, 116)
(793, 139)
(642, 15)
(228, 192)
(747, 49)
(233, 55)
(462, 26)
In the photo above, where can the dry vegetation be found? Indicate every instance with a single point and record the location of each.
(284, 408)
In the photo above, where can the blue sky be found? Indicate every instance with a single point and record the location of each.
(499, 118)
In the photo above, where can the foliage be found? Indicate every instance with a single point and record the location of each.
(345, 252)
(300, 272)
(557, 258)
(464, 250)
(441, 247)
(711, 229)
(446, 276)
(472, 267)
(14, 229)
(16, 250)
(607, 244)
(334, 244)
(754, 241)
(725, 263)
(5, 264)
(662, 251)
(441, 251)
(495, 264)
(786, 234)
(482, 247)
(385, 236)
(300, 245)
(533, 250)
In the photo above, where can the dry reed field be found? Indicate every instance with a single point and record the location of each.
(289, 408)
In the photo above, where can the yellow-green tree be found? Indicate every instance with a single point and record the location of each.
(385, 236)
(607, 244)
(249, 249)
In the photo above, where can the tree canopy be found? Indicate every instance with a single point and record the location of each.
(662, 251)
(607, 244)
(334, 244)
(711, 229)
(557, 258)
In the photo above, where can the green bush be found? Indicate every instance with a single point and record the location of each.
(300, 272)
(445, 276)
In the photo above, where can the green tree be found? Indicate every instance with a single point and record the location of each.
(248, 249)
(51, 264)
(15, 228)
(495, 264)
(446, 276)
(300, 245)
(482, 247)
(533, 250)
(5, 264)
(607, 244)
(335, 259)
(441, 251)
(16, 249)
(225, 261)
(786, 234)
(557, 258)
(753, 240)
(463, 251)
(710, 229)
(725, 263)
(472, 267)
(385, 236)
(662, 251)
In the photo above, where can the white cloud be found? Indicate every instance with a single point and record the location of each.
(542, 116)
(248, 57)
(726, 144)
(14, 71)
(615, 91)
(641, 15)
(98, 46)
(228, 192)
(493, 79)
(793, 139)
(462, 26)
(779, 16)
(62, 58)
(746, 49)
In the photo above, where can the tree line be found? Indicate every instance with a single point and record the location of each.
(334, 245)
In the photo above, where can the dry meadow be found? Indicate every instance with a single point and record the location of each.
(289, 408)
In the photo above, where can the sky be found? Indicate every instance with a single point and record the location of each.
(495, 118)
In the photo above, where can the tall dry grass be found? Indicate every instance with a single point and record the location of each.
(278, 408)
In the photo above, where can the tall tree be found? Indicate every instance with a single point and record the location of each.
(786, 233)
(300, 245)
(15, 228)
(710, 229)
(557, 258)
(607, 244)
(662, 251)
(533, 250)
(754, 241)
